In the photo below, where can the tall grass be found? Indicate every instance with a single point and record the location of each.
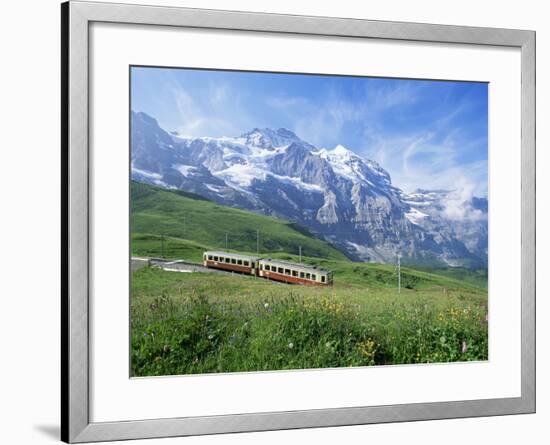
(195, 333)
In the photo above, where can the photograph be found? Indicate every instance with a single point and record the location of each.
(291, 221)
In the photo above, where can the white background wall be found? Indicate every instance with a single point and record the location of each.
(29, 221)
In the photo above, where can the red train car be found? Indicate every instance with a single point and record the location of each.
(231, 261)
(294, 273)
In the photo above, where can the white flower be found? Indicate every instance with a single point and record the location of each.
(266, 305)
(290, 345)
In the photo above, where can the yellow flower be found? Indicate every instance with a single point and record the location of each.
(368, 349)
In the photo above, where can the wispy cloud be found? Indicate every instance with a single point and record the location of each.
(395, 95)
(205, 114)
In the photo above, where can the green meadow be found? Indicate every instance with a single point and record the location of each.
(178, 216)
(187, 323)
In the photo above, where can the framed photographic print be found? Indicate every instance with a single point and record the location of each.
(276, 222)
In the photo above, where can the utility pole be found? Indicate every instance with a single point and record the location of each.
(399, 273)
(258, 241)
(226, 236)
(300, 249)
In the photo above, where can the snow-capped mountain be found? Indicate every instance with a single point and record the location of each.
(338, 195)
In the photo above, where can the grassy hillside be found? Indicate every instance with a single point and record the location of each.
(185, 323)
(190, 224)
(477, 277)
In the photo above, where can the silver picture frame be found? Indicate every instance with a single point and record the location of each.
(75, 361)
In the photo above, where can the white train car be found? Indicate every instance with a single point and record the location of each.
(294, 273)
(231, 261)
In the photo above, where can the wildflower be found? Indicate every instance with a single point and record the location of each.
(290, 345)
(166, 348)
(464, 348)
(210, 337)
(266, 305)
(442, 339)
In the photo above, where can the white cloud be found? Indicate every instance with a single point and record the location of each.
(206, 117)
(458, 205)
(286, 102)
(404, 93)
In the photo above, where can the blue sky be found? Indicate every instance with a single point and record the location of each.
(426, 134)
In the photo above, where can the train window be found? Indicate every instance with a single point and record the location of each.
(240, 262)
(281, 270)
(322, 278)
(314, 277)
(246, 263)
(287, 271)
(233, 261)
(294, 273)
(228, 260)
(302, 275)
(253, 264)
(308, 276)
(210, 257)
(267, 267)
(215, 258)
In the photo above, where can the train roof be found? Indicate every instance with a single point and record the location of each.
(232, 255)
(305, 267)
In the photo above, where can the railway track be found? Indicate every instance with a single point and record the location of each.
(175, 266)
(182, 266)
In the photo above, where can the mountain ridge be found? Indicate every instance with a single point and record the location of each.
(338, 195)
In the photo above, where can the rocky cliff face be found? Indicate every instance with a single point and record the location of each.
(338, 195)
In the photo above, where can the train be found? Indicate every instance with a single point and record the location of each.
(272, 269)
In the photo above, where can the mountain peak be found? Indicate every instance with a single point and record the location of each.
(270, 138)
(340, 150)
(144, 117)
(285, 132)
